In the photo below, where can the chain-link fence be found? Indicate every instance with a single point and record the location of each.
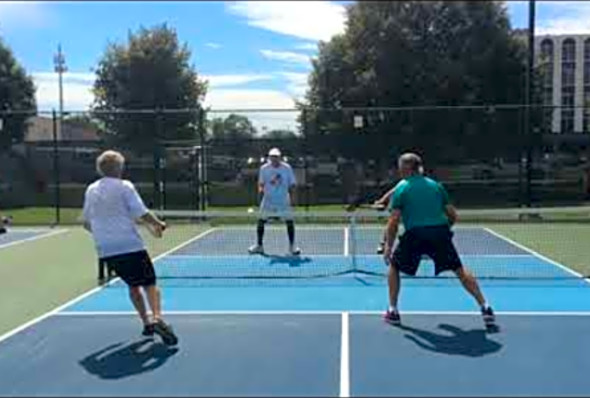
(198, 160)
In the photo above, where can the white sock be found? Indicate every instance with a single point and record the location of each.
(392, 308)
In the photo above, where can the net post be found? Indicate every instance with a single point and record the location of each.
(304, 116)
(352, 245)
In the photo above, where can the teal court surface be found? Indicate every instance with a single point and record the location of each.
(311, 325)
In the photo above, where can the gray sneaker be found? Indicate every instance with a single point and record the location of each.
(256, 249)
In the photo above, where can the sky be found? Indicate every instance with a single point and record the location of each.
(254, 54)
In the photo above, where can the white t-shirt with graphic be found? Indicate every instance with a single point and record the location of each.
(276, 182)
(111, 207)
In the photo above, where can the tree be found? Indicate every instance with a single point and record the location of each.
(232, 135)
(280, 135)
(232, 128)
(421, 54)
(151, 71)
(17, 98)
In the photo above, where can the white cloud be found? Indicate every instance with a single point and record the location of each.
(280, 107)
(78, 96)
(312, 20)
(235, 80)
(297, 83)
(214, 46)
(76, 90)
(568, 17)
(248, 99)
(307, 46)
(287, 56)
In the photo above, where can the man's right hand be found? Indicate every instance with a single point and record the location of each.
(158, 229)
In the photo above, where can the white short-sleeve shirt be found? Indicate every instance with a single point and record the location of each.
(111, 207)
(276, 182)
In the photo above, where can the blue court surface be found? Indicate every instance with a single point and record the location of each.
(318, 336)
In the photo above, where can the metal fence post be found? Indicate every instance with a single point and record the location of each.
(202, 176)
(56, 174)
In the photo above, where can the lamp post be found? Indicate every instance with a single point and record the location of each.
(59, 62)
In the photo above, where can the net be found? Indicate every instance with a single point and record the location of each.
(510, 244)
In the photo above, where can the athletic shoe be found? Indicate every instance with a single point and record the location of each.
(381, 248)
(165, 332)
(294, 251)
(488, 316)
(392, 317)
(148, 330)
(256, 249)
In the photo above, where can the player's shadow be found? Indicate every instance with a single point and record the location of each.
(455, 341)
(291, 261)
(118, 361)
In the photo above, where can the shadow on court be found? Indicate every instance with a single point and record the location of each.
(291, 261)
(469, 343)
(119, 361)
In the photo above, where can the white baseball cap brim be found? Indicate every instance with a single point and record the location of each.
(274, 152)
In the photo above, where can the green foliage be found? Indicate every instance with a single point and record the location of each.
(17, 93)
(416, 53)
(150, 71)
(232, 134)
(232, 128)
(280, 135)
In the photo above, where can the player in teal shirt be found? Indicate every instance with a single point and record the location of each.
(423, 206)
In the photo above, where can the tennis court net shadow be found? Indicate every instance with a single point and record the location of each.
(453, 340)
(118, 361)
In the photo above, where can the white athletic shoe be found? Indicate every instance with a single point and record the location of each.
(256, 249)
(294, 251)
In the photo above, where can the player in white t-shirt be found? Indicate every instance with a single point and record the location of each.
(276, 183)
(112, 207)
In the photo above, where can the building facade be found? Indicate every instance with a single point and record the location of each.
(564, 61)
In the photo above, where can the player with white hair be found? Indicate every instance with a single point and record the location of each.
(111, 208)
(276, 184)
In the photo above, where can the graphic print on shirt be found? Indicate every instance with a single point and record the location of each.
(276, 180)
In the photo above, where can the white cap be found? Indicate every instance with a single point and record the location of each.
(274, 152)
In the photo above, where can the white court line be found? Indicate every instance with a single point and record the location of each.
(90, 292)
(319, 313)
(536, 254)
(344, 358)
(45, 235)
(28, 229)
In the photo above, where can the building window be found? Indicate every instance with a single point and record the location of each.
(546, 69)
(568, 51)
(567, 110)
(568, 81)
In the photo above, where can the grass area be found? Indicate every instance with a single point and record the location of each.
(566, 243)
(37, 276)
(43, 215)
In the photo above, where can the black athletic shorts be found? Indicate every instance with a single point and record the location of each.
(135, 269)
(434, 241)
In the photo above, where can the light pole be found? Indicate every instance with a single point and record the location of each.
(59, 61)
(60, 67)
